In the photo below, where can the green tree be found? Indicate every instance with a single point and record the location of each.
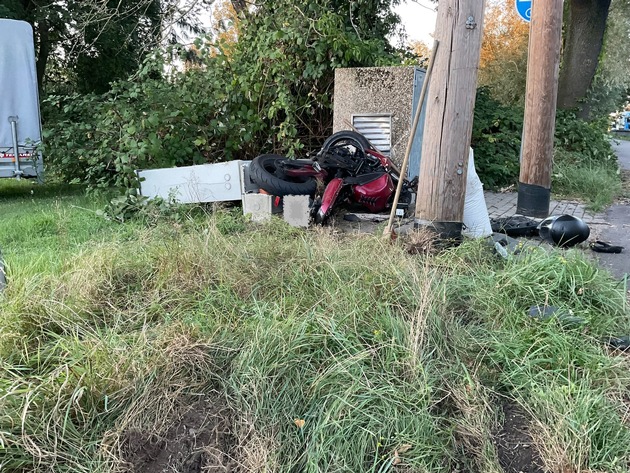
(270, 91)
(114, 45)
(368, 18)
(294, 47)
(503, 61)
(585, 23)
(91, 43)
(611, 84)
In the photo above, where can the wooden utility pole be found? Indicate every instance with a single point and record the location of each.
(449, 117)
(543, 65)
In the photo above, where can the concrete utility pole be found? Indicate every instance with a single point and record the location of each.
(543, 66)
(449, 117)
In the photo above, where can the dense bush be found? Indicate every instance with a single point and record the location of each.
(584, 163)
(142, 123)
(585, 143)
(496, 139)
(270, 91)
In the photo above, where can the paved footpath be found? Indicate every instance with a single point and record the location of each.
(617, 229)
(612, 225)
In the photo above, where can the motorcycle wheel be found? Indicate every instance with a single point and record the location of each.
(265, 173)
(347, 138)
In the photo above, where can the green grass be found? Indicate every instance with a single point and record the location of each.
(44, 224)
(330, 353)
(598, 186)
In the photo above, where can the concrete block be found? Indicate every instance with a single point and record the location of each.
(296, 210)
(258, 205)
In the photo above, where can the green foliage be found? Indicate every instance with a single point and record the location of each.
(611, 85)
(587, 141)
(496, 139)
(11, 9)
(101, 141)
(555, 374)
(584, 163)
(108, 58)
(269, 92)
(503, 60)
(597, 184)
(85, 45)
(128, 207)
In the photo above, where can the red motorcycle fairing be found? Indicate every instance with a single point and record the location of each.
(328, 199)
(303, 170)
(375, 194)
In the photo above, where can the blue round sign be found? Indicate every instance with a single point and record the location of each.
(524, 9)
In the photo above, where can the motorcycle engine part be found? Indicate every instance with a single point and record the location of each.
(564, 230)
(266, 171)
(363, 178)
(515, 226)
(374, 194)
(341, 158)
(331, 193)
(351, 151)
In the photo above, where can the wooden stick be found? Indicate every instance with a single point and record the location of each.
(388, 229)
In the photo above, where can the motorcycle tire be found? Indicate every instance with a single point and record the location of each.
(347, 137)
(265, 173)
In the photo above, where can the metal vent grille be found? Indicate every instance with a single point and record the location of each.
(377, 128)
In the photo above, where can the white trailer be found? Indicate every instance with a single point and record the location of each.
(20, 123)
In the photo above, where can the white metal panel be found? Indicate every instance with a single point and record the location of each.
(192, 184)
(377, 128)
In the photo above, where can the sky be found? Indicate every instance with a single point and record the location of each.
(418, 17)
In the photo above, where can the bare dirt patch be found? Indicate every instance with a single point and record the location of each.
(515, 446)
(199, 440)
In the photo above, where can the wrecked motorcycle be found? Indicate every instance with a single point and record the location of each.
(346, 171)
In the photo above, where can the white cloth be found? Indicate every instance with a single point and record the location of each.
(476, 218)
(18, 83)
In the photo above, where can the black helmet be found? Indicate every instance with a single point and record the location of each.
(563, 230)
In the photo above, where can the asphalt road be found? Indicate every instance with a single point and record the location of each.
(618, 230)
